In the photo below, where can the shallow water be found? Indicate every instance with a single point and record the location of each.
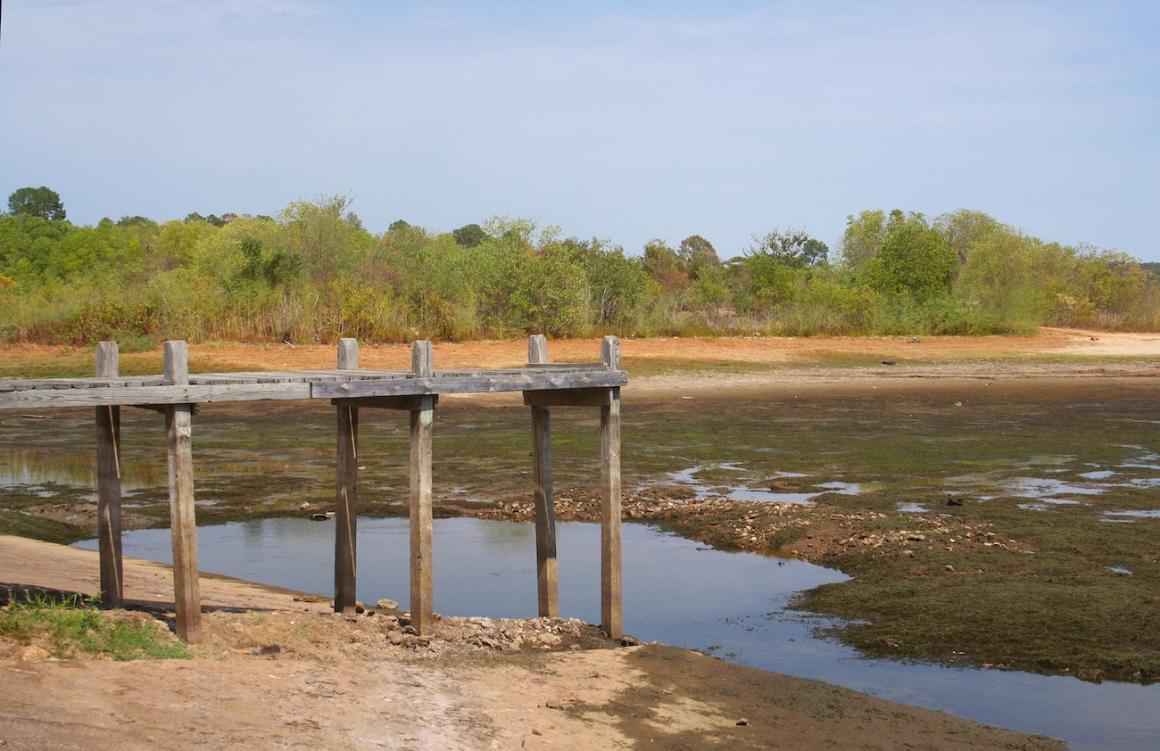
(675, 591)
(688, 478)
(1149, 513)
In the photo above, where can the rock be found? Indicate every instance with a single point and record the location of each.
(387, 604)
(483, 641)
(395, 637)
(33, 653)
(410, 630)
(270, 650)
(319, 517)
(908, 553)
(916, 537)
(950, 568)
(742, 722)
(629, 641)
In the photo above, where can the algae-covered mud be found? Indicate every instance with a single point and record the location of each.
(1010, 524)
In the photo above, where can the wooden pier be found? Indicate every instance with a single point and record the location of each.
(349, 389)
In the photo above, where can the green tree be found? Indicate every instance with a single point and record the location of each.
(665, 265)
(328, 238)
(863, 237)
(793, 248)
(964, 229)
(1002, 278)
(42, 202)
(914, 259)
(469, 235)
(698, 255)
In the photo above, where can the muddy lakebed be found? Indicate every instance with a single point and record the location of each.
(937, 527)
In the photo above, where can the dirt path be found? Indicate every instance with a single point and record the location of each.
(332, 687)
(673, 351)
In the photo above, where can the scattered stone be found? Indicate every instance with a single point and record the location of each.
(742, 722)
(950, 568)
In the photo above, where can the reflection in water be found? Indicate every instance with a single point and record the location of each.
(730, 604)
(71, 467)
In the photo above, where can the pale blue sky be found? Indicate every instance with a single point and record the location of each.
(624, 121)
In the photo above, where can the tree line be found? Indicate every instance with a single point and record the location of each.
(314, 273)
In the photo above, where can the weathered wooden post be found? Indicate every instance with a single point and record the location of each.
(610, 585)
(543, 494)
(422, 418)
(182, 520)
(109, 483)
(346, 503)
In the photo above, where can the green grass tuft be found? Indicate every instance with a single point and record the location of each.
(77, 627)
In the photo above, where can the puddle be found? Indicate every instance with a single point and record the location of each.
(675, 591)
(1101, 474)
(843, 488)
(911, 508)
(1045, 487)
(1047, 503)
(1140, 482)
(688, 478)
(766, 496)
(1150, 513)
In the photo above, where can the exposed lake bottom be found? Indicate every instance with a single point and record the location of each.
(675, 591)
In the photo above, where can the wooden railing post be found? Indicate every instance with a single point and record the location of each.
(346, 502)
(610, 582)
(422, 419)
(109, 483)
(182, 519)
(543, 494)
